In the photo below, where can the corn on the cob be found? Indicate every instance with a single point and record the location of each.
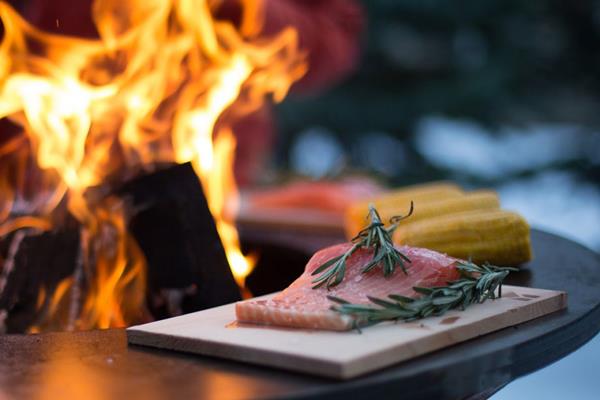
(398, 201)
(495, 236)
(477, 200)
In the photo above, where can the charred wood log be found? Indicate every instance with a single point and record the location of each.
(34, 263)
(170, 219)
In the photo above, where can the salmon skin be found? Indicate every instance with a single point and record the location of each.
(301, 306)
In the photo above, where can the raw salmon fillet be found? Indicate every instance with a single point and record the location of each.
(301, 306)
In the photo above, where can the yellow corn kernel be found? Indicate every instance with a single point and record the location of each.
(496, 236)
(398, 200)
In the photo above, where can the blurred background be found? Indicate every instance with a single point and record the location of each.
(496, 93)
(501, 94)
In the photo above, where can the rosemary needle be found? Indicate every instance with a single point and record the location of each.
(377, 237)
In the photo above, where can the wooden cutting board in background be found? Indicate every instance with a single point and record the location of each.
(291, 219)
(341, 355)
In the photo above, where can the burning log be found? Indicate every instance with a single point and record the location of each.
(170, 219)
(159, 85)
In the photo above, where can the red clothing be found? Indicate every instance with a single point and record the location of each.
(328, 30)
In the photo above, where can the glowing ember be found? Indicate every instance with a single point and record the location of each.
(97, 112)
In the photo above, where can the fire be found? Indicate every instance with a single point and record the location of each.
(164, 83)
(219, 184)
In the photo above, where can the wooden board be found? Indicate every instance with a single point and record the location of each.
(302, 219)
(341, 355)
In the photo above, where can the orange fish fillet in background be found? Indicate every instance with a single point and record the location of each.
(301, 306)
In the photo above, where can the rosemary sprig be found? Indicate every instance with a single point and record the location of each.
(476, 285)
(375, 236)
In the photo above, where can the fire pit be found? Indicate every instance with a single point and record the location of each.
(80, 364)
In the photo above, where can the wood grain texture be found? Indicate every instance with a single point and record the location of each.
(341, 355)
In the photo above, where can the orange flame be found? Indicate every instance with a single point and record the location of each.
(96, 112)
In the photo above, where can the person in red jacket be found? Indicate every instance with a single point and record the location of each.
(329, 32)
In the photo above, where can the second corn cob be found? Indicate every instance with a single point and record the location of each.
(495, 236)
